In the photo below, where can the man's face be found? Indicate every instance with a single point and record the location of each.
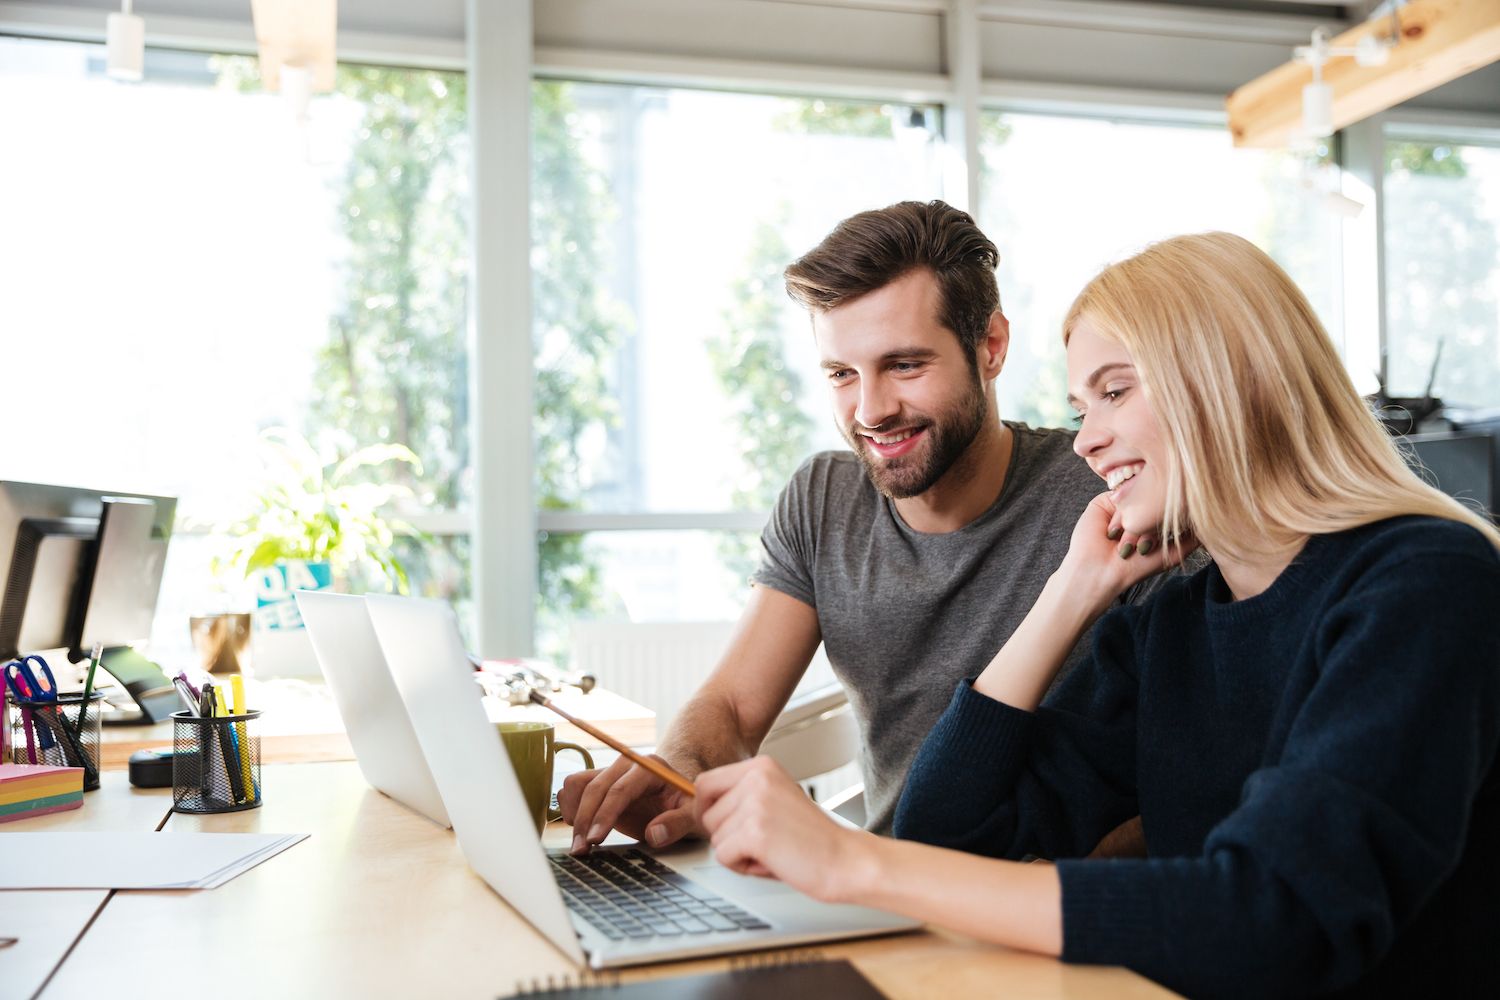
(905, 395)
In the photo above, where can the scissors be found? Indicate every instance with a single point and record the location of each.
(31, 688)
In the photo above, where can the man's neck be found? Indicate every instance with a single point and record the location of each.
(967, 489)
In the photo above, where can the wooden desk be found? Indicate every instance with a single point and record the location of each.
(300, 723)
(379, 902)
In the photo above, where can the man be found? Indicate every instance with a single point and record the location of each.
(911, 557)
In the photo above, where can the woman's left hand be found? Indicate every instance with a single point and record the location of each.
(761, 822)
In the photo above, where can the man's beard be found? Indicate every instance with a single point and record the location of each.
(948, 435)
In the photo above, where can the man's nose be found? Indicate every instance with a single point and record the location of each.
(877, 404)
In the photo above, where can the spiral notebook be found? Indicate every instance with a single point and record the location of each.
(762, 978)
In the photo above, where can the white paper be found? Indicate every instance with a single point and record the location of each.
(135, 860)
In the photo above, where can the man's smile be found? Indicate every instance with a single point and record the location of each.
(894, 444)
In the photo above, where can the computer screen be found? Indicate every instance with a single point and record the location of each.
(79, 566)
(1461, 465)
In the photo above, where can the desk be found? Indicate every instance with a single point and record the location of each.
(48, 922)
(301, 723)
(379, 902)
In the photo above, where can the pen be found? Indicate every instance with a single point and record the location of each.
(88, 684)
(229, 747)
(184, 694)
(192, 688)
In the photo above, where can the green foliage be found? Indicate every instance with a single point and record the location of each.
(1426, 158)
(1441, 259)
(773, 433)
(819, 117)
(576, 331)
(315, 505)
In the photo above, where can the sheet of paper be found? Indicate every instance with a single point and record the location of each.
(134, 860)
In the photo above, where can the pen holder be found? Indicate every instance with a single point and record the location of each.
(215, 763)
(48, 732)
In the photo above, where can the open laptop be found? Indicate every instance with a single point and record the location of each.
(619, 906)
(374, 716)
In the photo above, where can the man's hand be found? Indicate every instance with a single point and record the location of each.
(628, 798)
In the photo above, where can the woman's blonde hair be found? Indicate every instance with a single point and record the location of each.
(1267, 440)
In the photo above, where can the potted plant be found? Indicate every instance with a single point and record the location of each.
(316, 522)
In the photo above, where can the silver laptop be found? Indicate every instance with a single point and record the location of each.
(379, 730)
(619, 906)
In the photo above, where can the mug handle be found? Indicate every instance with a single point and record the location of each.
(553, 815)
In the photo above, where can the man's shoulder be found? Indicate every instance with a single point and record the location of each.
(1045, 459)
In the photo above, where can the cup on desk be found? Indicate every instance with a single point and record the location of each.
(532, 746)
(222, 642)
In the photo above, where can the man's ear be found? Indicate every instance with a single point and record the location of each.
(993, 348)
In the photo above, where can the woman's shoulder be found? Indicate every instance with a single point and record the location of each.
(1400, 539)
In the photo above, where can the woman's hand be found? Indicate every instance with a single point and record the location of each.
(761, 823)
(1104, 560)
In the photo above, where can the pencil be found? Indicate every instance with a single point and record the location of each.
(657, 768)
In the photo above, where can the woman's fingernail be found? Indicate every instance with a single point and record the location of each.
(1113, 533)
(1146, 546)
(1126, 550)
(656, 836)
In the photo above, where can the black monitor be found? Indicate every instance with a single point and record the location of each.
(81, 567)
(1459, 464)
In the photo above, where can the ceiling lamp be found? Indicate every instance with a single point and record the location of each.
(125, 45)
(297, 51)
(1335, 82)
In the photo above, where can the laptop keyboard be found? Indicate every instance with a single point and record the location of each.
(630, 894)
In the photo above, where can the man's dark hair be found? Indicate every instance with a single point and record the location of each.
(872, 249)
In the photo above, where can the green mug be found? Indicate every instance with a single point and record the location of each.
(531, 747)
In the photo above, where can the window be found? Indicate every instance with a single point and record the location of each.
(190, 268)
(1442, 270)
(1064, 196)
(675, 378)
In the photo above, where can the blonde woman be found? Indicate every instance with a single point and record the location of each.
(1307, 728)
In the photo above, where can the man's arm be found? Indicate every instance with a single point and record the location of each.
(725, 721)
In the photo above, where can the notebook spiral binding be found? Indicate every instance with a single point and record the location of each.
(755, 962)
(539, 987)
(607, 980)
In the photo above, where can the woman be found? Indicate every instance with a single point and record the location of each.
(1307, 727)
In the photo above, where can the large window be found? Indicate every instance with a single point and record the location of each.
(188, 267)
(1442, 270)
(674, 375)
(1063, 196)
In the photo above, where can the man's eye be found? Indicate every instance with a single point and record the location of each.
(839, 375)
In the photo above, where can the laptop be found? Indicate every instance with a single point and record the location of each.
(619, 905)
(379, 731)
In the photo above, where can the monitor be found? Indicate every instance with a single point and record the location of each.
(1461, 465)
(81, 567)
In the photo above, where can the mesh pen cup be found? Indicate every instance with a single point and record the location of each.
(58, 733)
(215, 763)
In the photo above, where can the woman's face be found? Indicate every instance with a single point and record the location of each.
(1118, 434)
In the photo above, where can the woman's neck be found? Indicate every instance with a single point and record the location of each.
(1247, 578)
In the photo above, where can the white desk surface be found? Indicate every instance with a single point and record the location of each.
(379, 902)
(47, 923)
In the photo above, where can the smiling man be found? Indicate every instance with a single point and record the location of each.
(913, 556)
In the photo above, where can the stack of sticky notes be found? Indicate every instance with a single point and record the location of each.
(35, 789)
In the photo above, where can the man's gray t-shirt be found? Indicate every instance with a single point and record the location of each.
(906, 615)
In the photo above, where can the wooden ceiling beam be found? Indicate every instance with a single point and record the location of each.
(1441, 40)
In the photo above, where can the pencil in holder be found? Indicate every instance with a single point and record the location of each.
(58, 733)
(215, 763)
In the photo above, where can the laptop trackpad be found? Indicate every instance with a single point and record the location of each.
(722, 880)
